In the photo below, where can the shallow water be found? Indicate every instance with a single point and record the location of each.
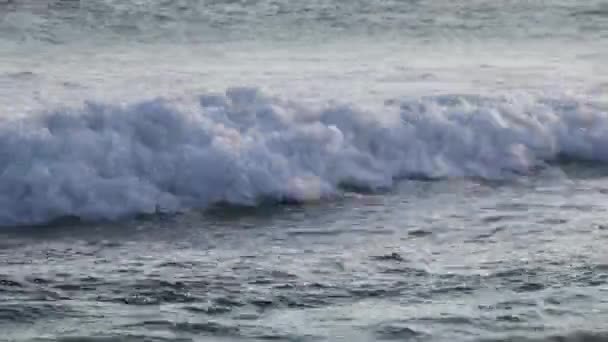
(428, 261)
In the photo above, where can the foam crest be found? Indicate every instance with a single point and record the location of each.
(107, 161)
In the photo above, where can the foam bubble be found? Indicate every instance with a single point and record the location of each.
(107, 161)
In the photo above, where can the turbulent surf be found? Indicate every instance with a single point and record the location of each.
(242, 147)
(303, 171)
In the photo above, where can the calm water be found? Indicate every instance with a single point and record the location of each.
(315, 171)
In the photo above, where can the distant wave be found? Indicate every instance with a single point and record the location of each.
(106, 161)
(62, 21)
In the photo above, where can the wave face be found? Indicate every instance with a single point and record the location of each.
(106, 161)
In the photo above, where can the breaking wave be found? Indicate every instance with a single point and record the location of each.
(105, 161)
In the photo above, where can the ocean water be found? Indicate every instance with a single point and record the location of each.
(253, 170)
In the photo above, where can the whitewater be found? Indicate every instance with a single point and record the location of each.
(241, 148)
(316, 171)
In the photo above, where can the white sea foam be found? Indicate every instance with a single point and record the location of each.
(106, 161)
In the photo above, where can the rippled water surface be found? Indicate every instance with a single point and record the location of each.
(429, 261)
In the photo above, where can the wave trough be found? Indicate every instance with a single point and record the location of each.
(107, 161)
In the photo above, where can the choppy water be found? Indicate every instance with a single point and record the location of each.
(313, 171)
